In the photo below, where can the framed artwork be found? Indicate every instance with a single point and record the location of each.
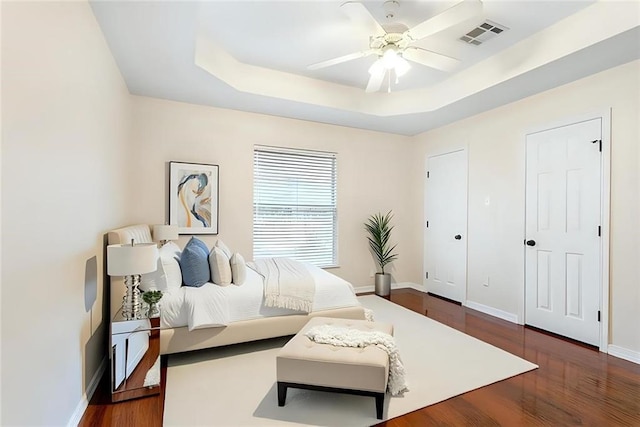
(193, 197)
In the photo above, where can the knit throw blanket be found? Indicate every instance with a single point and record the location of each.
(348, 337)
(287, 283)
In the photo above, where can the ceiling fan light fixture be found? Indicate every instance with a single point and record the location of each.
(402, 66)
(390, 58)
(377, 67)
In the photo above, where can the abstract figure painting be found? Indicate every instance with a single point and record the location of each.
(193, 198)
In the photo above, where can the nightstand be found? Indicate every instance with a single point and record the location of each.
(134, 357)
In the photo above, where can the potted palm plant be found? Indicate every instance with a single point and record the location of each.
(379, 229)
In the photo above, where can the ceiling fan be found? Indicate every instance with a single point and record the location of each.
(395, 48)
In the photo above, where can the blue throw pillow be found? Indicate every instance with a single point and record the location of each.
(194, 263)
(199, 243)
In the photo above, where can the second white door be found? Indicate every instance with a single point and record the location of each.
(446, 225)
(562, 230)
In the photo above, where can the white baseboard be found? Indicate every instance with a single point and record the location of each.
(624, 353)
(411, 285)
(400, 285)
(504, 315)
(86, 397)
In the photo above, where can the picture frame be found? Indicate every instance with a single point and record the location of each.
(193, 197)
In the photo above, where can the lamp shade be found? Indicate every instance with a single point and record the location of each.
(127, 260)
(165, 232)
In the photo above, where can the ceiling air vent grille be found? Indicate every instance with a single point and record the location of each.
(483, 32)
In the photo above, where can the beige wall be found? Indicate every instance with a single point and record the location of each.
(495, 142)
(65, 115)
(372, 172)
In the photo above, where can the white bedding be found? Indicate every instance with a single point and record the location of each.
(172, 313)
(212, 305)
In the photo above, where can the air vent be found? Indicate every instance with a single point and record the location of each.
(483, 32)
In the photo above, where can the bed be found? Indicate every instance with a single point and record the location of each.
(213, 315)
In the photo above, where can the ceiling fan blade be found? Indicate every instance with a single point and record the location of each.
(430, 59)
(375, 81)
(359, 14)
(460, 12)
(341, 59)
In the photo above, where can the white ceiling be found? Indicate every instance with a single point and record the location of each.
(253, 56)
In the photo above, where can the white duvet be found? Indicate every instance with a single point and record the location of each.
(211, 305)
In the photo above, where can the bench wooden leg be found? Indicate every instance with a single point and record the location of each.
(283, 386)
(282, 393)
(379, 405)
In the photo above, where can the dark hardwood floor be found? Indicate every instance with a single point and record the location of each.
(575, 384)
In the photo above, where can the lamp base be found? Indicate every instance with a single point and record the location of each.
(131, 304)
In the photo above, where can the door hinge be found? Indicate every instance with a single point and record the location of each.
(426, 275)
(599, 141)
(599, 231)
(427, 174)
(598, 315)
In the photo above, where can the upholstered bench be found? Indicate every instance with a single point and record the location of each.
(303, 363)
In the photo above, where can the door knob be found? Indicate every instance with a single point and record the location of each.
(457, 237)
(531, 242)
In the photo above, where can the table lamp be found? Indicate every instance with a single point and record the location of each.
(163, 233)
(131, 261)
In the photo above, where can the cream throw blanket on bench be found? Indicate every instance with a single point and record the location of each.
(349, 337)
(287, 283)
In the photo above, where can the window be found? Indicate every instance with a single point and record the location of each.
(294, 205)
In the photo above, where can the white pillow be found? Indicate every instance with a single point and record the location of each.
(220, 268)
(170, 257)
(238, 269)
(167, 275)
(220, 244)
(156, 280)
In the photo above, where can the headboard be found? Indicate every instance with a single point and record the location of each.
(140, 233)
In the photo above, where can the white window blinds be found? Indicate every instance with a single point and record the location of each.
(294, 205)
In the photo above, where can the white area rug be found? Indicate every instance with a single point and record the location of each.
(236, 385)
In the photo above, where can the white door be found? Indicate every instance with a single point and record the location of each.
(446, 225)
(562, 247)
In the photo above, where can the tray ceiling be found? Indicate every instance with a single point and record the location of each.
(253, 56)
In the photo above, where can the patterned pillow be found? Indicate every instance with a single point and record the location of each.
(238, 269)
(194, 263)
(220, 267)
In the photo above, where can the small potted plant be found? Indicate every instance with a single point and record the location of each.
(151, 298)
(379, 229)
